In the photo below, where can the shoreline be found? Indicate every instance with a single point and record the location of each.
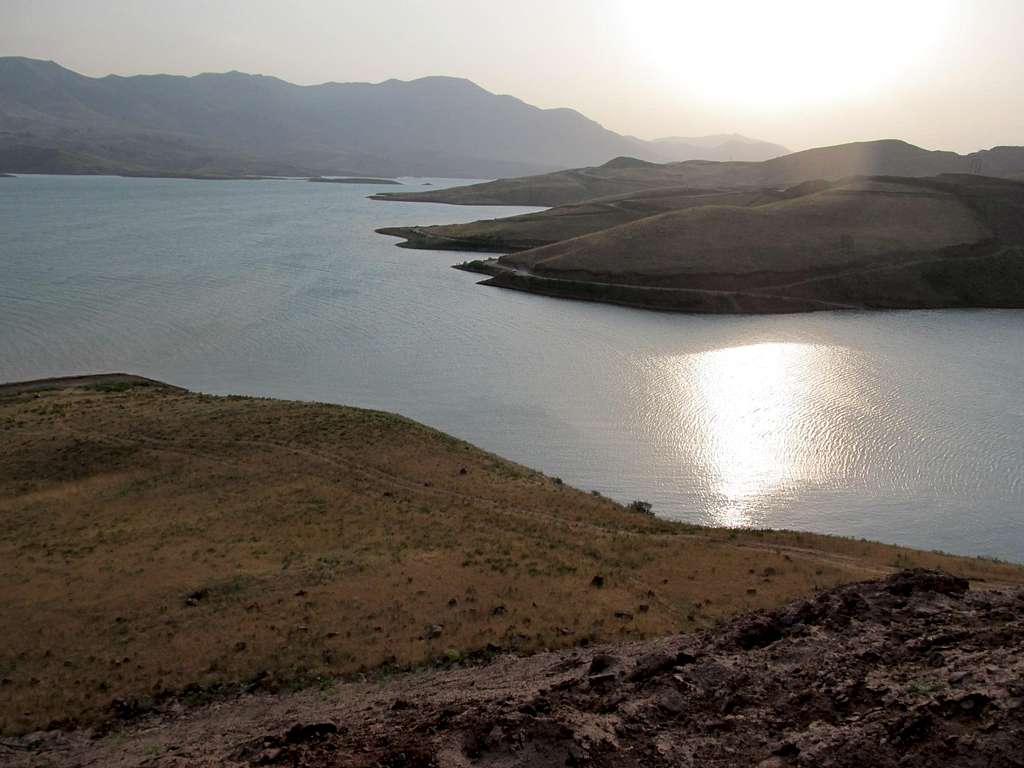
(340, 180)
(154, 175)
(119, 382)
(416, 239)
(761, 301)
(653, 298)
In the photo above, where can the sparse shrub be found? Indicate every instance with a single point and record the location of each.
(643, 507)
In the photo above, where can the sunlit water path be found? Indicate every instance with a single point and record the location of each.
(904, 426)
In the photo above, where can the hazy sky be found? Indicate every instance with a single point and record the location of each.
(945, 74)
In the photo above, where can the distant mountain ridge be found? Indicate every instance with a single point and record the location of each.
(720, 147)
(55, 120)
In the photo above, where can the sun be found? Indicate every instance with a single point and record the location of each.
(788, 52)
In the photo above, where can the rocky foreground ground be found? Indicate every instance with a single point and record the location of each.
(915, 669)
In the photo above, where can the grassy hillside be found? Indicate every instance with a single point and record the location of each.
(159, 543)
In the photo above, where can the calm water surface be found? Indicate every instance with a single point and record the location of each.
(906, 427)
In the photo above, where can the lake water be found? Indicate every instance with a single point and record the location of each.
(906, 427)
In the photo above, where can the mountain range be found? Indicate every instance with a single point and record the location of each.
(54, 120)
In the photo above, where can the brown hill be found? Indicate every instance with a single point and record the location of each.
(532, 230)
(864, 242)
(888, 157)
(161, 549)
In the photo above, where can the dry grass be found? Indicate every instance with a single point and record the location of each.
(855, 223)
(318, 541)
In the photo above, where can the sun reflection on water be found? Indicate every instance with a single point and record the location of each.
(742, 420)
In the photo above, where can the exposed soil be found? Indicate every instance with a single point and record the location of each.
(912, 670)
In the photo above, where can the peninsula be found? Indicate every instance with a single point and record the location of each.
(736, 240)
(329, 180)
(864, 243)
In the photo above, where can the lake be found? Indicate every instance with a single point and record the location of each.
(906, 427)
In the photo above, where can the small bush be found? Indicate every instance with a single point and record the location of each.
(643, 507)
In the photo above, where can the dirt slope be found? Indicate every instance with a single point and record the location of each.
(909, 671)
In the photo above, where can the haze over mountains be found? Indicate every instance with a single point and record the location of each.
(731, 146)
(55, 120)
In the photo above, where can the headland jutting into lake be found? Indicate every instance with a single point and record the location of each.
(732, 238)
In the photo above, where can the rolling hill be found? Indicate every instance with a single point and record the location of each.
(627, 175)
